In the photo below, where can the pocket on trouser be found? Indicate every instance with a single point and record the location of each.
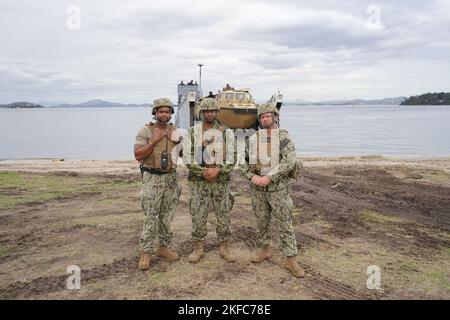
(177, 194)
(172, 208)
(285, 197)
(148, 191)
(282, 205)
(141, 195)
(290, 206)
(223, 200)
(148, 199)
(231, 201)
(290, 203)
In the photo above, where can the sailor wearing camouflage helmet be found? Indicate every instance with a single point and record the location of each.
(270, 158)
(209, 156)
(154, 148)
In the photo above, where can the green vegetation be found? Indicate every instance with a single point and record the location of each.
(3, 250)
(437, 278)
(24, 188)
(374, 218)
(441, 98)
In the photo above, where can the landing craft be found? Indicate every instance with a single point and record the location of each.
(237, 108)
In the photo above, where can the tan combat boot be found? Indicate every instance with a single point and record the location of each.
(294, 268)
(225, 252)
(144, 262)
(167, 253)
(263, 254)
(198, 253)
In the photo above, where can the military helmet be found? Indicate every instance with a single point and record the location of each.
(162, 102)
(209, 104)
(267, 107)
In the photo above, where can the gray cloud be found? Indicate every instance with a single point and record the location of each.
(134, 51)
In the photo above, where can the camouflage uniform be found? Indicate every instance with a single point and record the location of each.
(203, 191)
(159, 197)
(274, 200)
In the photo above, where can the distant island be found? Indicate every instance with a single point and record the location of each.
(21, 105)
(386, 101)
(441, 98)
(89, 104)
(98, 103)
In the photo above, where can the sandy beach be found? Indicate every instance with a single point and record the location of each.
(351, 213)
(130, 166)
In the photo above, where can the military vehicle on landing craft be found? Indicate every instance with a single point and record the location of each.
(237, 107)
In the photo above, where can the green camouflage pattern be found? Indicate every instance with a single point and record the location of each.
(192, 149)
(159, 199)
(279, 174)
(162, 102)
(267, 107)
(209, 104)
(204, 194)
(269, 206)
(273, 202)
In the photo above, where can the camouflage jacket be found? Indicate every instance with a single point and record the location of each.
(278, 173)
(197, 141)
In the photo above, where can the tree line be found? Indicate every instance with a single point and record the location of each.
(441, 98)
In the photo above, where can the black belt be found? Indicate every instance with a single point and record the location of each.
(152, 171)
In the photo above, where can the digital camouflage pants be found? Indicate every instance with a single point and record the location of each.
(159, 200)
(202, 194)
(275, 205)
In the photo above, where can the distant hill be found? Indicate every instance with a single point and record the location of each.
(100, 104)
(21, 105)
(441, 98)
(385, 101)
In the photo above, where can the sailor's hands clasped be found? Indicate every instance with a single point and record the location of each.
(260, 181)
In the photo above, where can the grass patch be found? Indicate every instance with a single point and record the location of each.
(435, 233)
(321, 222)
(401, 274)
(11, 179)
(157, 277)
(45, 187)
(4, 250)
(399, 227)
(373, 217)
(108, 220)
(437, 278)
(428, 174)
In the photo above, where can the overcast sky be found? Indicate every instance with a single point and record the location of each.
(134, 51)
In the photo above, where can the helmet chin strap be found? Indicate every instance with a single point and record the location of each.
(162, 122)
(204, 119)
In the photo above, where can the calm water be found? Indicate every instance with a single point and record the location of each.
(108, 133)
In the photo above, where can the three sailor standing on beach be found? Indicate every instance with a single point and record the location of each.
(210, 155)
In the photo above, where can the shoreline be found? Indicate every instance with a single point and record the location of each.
(131, 166)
